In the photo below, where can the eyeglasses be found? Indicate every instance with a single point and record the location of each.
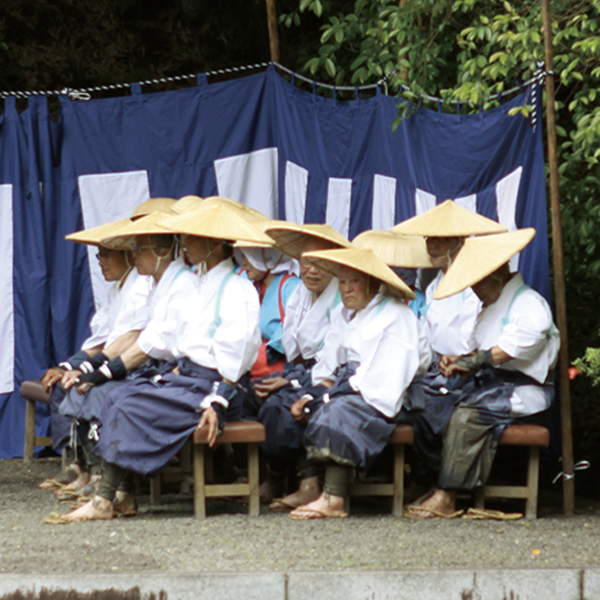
(103, 254)
(139, 249)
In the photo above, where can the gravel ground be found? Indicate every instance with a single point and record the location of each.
(167, 538)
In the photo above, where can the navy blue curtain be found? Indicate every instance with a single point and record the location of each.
(181, 139)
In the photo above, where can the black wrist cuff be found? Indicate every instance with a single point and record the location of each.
(74, 361)
(220, 410)
(226, 390)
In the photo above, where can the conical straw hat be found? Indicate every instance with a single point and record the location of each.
(395, 250)
(147, 225)
(290, 237)
(215, 221)
(186, 204)
(448, 219)
(95, 236)
(480, 257)
(250, 214)
(153, 205)
(361, 259)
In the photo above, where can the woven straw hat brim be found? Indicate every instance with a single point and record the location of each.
(360, 259)
(187, 204)
(395, 250)
(449, 220)
(216, 221)
(147, 225)
(95, 236)
(480, 257)
(153, 205)
(250, 214)
(290, 237)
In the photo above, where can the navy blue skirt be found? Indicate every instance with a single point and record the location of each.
(349, 432)
(144, 423)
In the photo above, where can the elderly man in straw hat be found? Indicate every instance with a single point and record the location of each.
(214, 338)
(307, 320)
(372, 358)
(450, 324)
(115, 324)
(509, 373)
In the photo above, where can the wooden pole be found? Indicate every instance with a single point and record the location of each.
(273, 30)
(403, 70)
(559, 272)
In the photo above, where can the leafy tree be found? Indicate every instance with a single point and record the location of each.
(468, 51)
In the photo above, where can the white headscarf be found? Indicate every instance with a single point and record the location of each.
(269, 260)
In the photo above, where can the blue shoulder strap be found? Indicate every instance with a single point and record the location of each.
(520, 290)
(217, 320)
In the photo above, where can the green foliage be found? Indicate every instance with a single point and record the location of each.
(589, 365)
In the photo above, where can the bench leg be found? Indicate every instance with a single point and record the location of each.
(199, 482)
(398, 499)
(29, 431)
(155, 489)
(533, 478)
(253, 481)
(480, 497)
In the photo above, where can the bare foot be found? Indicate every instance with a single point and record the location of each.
(308, 491)
(80, 481)
(325, 506)
(63, 478)
(439, 503)
(98, 509)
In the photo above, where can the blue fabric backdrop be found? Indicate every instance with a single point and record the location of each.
(203, 140)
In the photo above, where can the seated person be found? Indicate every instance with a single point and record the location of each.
(508, 376)
(120, 318)
(449, 322)
(214, 336)
(309, 314)
(404, 254)
(275, 277)
(373, 356)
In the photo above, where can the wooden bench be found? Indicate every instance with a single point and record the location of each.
(536, 437)
(402, 435)
(33, 391)
(250, 433)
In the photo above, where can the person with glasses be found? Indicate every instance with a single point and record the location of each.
(508, 377)
(212, 338)
(450, 325)
(119, 319)
(308, 317)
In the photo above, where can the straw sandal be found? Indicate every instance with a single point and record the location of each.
(476, 514)
(430, 513)
(303, 513)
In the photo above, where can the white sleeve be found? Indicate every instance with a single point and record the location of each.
(134, 309)
(158, 338)
(525, 335)
(384, 375)
(237, 338)
(100, 323)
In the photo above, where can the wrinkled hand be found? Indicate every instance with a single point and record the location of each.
(83, 388)
(267, 386)
(52, 376)
(296, 409)
(209, 418)
(449, 366)
(69, 378)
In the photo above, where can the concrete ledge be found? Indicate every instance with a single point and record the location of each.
(505, 584)
(163, 586)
